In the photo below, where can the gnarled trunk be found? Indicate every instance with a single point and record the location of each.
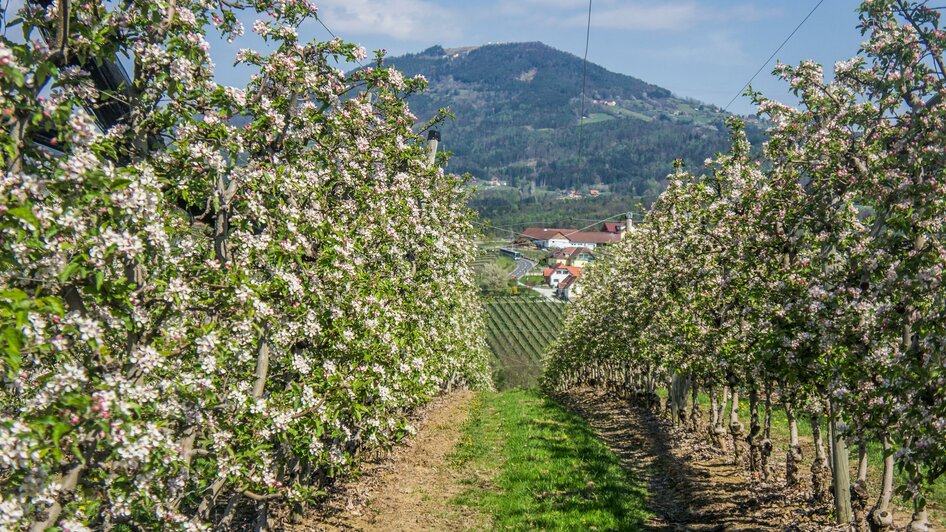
(677, 398)
(754, 439)
(881, 518)
(794, 456)
(765, 447)
(695, 415)
(718, 430)
(921, 519)
(859, 493)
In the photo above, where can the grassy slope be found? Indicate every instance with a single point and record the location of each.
(518, 333)
(546, 468)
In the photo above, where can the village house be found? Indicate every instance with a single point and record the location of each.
(614, 227)
(555, 275)
(548, 238)
(571, 256)
(564, 279)
(592, 239)
(568, 289)
(558, 238)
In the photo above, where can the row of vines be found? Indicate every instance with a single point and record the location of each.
(809, 275)
(518, 333)
(213, 306)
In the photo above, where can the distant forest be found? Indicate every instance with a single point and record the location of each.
(517, 109)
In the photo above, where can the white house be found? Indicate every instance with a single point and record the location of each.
(555, 276)
(549, 238)
(569, 288)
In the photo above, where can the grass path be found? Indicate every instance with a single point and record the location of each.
(585, 460)
(512, 460)
(533, 465)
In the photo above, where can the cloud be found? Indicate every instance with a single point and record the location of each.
(405, 20)
(645, 16)
(713, 48)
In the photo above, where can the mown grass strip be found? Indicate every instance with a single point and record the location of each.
(531, 464)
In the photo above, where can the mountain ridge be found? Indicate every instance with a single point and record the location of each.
(517, 110)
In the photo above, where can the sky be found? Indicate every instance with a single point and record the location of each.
(702, 49)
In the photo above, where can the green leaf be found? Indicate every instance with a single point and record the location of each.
(67, 272)
(13, 294)
(12, 348)
(23, 213)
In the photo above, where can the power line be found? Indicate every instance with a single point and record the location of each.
(777, 50)
(584, 80)
(332, 33)
(596, 222)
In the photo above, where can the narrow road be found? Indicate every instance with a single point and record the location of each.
(523, 266)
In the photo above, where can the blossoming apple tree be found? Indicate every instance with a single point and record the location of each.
(229, 294)
(827, 259)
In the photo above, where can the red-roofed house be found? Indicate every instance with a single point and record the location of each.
(614, 227)
(558, 238)
(591, 239)
(551, 238)
(559, 273)
(571, 256)
(569, 288)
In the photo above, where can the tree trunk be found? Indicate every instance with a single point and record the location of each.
(881, 518)
(841, 470)
(794, 456)
(262, 517)
(736, 430)
(820, 473)
(695, 415)
(68, 485)
(673, 400)
(668, 404)
(754, 439)
(921, 519)
(679, 387)
(718, 430)
(766, 444)
(859, 492)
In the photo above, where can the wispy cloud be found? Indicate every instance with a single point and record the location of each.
(713, 48)
(644, 16)
(405, 20)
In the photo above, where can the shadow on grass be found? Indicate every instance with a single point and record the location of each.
(682, 495)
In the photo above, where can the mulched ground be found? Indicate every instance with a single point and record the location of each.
(412, 488)
(693, 486)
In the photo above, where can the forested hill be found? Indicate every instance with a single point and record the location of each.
(517, 109)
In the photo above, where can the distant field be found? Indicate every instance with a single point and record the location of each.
(594, 118)
(518, 333)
